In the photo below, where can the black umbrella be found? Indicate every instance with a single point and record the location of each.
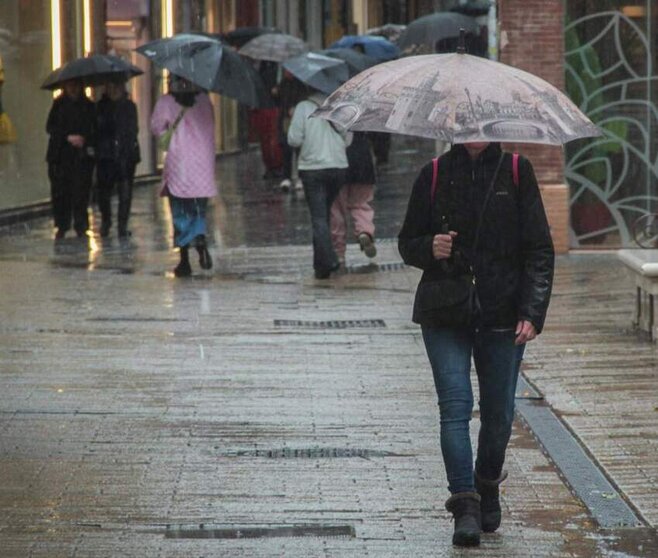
(473, 8)
(427, 30)
(321, 72)
(91, 70)
(210, 64)
(242, 35)
(356, 62)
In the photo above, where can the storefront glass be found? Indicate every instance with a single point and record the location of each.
(25, 48)
(611, 75)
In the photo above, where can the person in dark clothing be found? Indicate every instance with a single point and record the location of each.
(117, 154)
(486, 218)
(287, 93)
(71, 126)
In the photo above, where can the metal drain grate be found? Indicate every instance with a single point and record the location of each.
(254, 532)
(330, 324)
(582, 474)
(310, 453)
(375, 268)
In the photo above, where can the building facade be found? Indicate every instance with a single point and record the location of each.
(602, 52)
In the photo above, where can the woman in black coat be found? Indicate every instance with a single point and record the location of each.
(118, 154)
(71, 126)
(481, 230)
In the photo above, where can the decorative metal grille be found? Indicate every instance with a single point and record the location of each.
(610, 75)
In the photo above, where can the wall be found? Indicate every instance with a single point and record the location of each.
(532, 39)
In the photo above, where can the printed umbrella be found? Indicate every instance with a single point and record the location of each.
(92, 70)
(356, 62)
(210, 64)
(427, 30)
(321, 72)
(377, 47)
(457, 98)
(275, 47)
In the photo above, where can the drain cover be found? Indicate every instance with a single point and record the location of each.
(253, 532)
(330, 324)
(375, 268)
(310, 453)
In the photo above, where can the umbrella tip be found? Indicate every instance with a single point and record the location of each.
(461, 46)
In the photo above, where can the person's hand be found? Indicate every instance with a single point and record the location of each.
(442, 245)
(76, 140)
(525, 332)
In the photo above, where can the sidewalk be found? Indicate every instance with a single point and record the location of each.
(137, 408)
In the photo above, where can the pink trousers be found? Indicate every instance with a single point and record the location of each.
(354, 200)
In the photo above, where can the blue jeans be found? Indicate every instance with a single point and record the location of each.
(320, 189)
(189, 219)
(497, 360)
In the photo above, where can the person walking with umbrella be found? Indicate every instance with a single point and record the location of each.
(186, 116)
(71, 126)
(484, 245)
(118, 153)
(476, 226)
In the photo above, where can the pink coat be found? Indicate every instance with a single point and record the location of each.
(189, 168)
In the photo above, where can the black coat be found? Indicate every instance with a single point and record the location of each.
(361, 168)
(70, 117)
(514, 260)
(117, 131)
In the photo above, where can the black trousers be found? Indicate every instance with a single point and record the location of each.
(109, 175)
(70, 186)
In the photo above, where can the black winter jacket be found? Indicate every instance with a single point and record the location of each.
(117, 130)
(70, 117)
(514, 259)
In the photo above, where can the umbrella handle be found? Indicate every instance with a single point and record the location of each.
(461, 47)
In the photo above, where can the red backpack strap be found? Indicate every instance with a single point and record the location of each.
(515, 169)
(435, 177)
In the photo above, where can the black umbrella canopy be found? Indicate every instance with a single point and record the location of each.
(356, 61)
(321, 72)
(242, 35)
(91, 70)
(210, 64)
(473, 8)
(427, 30)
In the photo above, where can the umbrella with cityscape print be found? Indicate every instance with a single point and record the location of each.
(457, 98)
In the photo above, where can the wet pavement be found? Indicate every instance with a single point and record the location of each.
(254, 411)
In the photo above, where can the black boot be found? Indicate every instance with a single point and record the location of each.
(183, 269)
(205, 261)
(465, 509)
(490, 501)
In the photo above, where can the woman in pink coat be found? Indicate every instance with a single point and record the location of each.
(189, 168)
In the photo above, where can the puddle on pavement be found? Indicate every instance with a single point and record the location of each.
(628, 543)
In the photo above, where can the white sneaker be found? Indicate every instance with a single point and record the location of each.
(298, 184)
(285, 184)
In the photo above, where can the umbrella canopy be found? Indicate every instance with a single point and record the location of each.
(92, 70)
(242, 35)
(275, 47)
(390, 31)
(321, 72)
(473, 8)
(356, 62)
(427, 30)
(377, 47)
(210, 64)
(457, 98)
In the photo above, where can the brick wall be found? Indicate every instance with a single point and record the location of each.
(534, 32)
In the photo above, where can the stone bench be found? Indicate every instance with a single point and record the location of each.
(642, 266)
